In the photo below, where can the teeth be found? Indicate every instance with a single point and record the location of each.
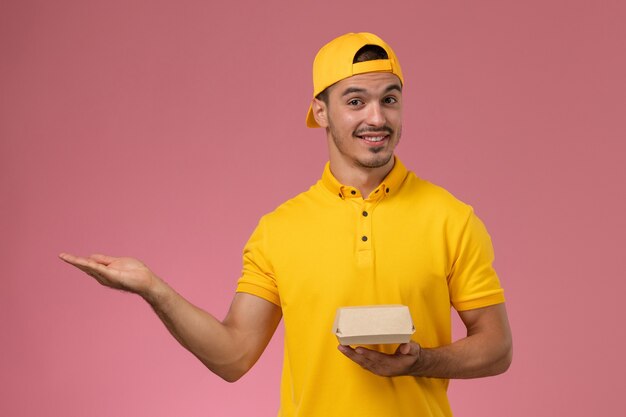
(373, 139)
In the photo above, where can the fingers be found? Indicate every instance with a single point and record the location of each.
(403, 349)
(410, 348)
(365, 357)
(350, 353)
(102, 259)
(66, 257)
(76, 261)
(94, 261)
(88, 265)
(384, 364)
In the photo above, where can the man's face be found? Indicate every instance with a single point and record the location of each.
(363, 118)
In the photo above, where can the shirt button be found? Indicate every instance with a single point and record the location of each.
(364, 238)
(365, 214)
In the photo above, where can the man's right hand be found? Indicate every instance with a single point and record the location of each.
(126, 274)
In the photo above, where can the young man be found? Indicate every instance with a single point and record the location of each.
(369, 232)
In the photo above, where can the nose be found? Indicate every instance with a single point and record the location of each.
(375, 115)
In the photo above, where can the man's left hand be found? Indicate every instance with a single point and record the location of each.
(402, 362)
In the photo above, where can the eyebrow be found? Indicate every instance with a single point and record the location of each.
(389, 88)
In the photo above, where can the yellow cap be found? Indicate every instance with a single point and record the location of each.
(334, 62)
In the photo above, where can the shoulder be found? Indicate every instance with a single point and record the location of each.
(431, 198)
(310, 203)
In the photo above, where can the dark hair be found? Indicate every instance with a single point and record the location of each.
(370, 53)
(366, 53)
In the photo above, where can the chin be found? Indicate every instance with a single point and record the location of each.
(377, 162)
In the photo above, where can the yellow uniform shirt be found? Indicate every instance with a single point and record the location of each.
(409, 242)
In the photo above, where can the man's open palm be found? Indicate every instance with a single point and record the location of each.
(126, 274)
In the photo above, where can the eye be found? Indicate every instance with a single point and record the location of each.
(390, 100)
(355, 102)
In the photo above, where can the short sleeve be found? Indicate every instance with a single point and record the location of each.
(257, 277)
(473, 282)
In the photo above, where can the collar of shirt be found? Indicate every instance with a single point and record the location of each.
(390, 184)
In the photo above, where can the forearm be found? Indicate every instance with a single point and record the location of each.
(228, 348)
(487, 350)
(472, 357)
(212, 342)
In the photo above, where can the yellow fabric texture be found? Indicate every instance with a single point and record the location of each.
(409, 242)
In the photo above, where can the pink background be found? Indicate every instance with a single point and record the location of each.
(164, 130)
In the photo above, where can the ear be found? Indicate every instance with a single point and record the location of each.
(320, 112)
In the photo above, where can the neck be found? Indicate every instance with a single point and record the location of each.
(362, 178)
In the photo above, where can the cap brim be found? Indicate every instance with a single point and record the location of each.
(310, 119)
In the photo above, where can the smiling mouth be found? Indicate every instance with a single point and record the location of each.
(373, 139)
(373, 136)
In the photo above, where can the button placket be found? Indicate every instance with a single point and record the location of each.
(364, 235)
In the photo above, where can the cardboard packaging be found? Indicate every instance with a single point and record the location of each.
(376, 324)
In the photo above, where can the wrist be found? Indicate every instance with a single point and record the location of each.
(156, 292)
(421, 364)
